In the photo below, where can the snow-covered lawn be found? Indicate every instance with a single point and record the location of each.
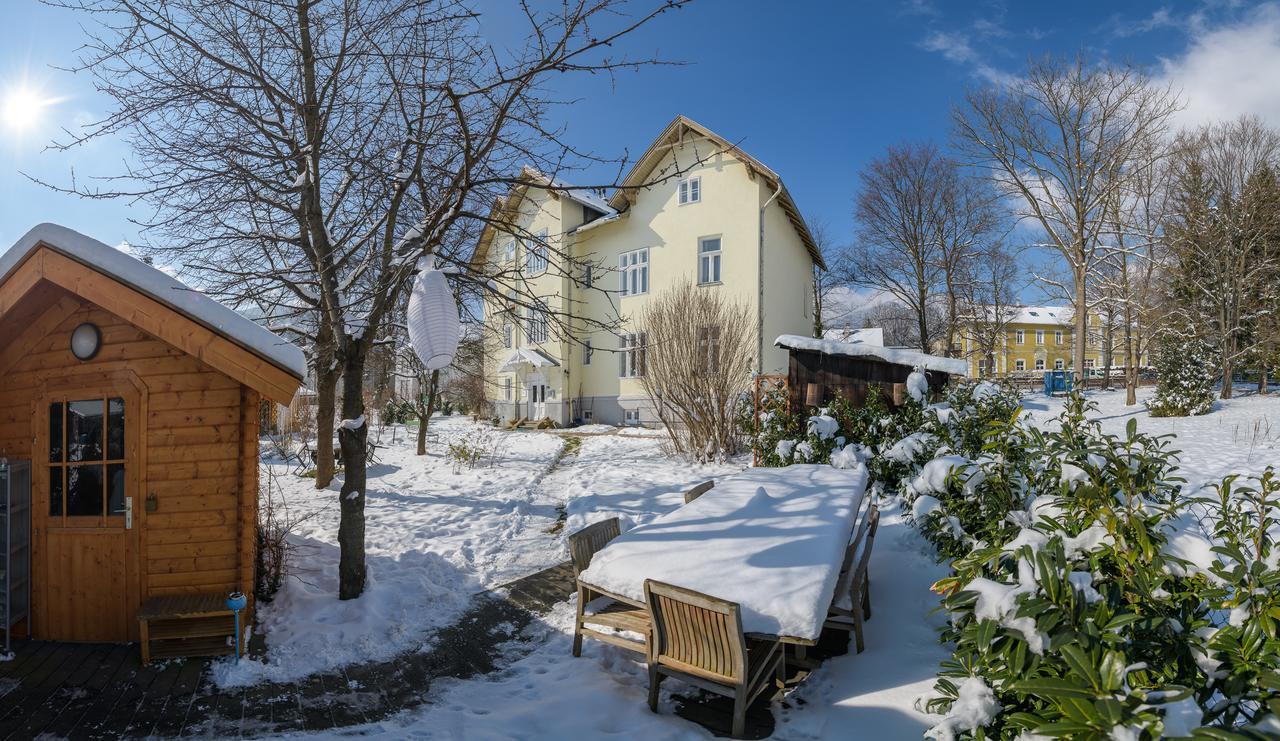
(436, 537)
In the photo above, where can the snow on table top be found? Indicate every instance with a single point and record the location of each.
(770, 539)
(954, 366)
(154, 283)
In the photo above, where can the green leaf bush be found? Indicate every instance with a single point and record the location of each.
(1089, 596)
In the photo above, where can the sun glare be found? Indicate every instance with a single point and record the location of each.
(21, 108)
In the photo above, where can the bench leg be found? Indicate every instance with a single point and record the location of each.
(655, 681)
(577, 622)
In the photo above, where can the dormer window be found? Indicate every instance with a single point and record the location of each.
(690, 190)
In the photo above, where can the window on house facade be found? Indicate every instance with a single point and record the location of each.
(1059, 364)
(508, 335)
(1020, 365)
(982, 367)
(1057, 337)
(1039, 336)
(631, 355)
(634, 268)
(509, 251)
(1039, 363)
(690, 190)
(507, 390)
(631, 416)
(587, 352)
(709, 348)
(1019, 337)
(587, 277)
(538, 325)
(586, 415)
(1088, 363)
(709, 260)
(535, 255)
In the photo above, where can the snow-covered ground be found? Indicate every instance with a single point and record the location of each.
(436, 537)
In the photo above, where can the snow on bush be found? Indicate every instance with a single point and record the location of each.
(918, 385)
(975, 707)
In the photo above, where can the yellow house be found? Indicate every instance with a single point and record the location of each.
(1035, 339)
(694, 208)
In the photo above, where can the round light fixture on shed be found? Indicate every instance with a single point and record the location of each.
(85, 341)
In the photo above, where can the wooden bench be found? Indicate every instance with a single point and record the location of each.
(179, 625)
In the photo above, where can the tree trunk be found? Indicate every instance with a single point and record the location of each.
(352, 437)
(1262, 381)
(425, 419)
(1082, 325)
(326, 407)
(1130, 364)
(1228, 367)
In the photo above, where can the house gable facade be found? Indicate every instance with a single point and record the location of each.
(694, 209)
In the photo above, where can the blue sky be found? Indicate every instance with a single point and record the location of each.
(813, 89)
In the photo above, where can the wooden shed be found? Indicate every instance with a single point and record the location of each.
(819, 370)
(142, 431)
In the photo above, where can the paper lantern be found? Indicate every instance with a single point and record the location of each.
(433, 318)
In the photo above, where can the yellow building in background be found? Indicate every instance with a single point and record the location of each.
(1038, 338)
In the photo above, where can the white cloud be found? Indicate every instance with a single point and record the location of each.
(956, 47)
(1229, 70)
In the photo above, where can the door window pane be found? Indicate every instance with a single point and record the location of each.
(115, 428)
(55, 491)
(84, 431)
(84, 489)
(115, 489)
(55, 432)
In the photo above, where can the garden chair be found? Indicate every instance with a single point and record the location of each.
(698, 491)
(605, 611)
(699, 639)
(852, 603)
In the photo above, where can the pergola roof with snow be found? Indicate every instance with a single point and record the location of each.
(154, 284)
(954, 366)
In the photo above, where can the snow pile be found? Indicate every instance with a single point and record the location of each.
(823, 426)
(909, 448)
(975, 707)
(747, 527)
(918, 385)
(999, 602)
(850, 456)
(933, 478)
(985, 390)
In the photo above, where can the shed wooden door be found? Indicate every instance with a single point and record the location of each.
(85, 493)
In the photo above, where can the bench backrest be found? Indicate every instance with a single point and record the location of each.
(698, 491)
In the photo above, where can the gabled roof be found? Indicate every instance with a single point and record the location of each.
(530, 177)
(155, 302)
(675, 132)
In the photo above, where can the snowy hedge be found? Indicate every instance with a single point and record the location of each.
(1089, 597)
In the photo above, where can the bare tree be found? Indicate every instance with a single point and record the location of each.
(900, 323)
(1219, 233)
(989, 303)
(302, 156)
(698, 360)
(1063, 139)
(897, 249)
(826, 282)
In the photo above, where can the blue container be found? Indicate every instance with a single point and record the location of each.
(1057, 382)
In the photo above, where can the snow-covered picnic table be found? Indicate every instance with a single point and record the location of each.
(770, 539)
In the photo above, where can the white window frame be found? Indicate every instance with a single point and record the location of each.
(537, 325)
(509, 251)
(587, 352)
(1020, 364)
(1039, 363)
(588, 278)
(631, 354)
(535, 255)
(1059, 364)
(631, 417)
(1057, 337)
(633, 269)
(508, 388)
(1020, 336)
(1039, 337)
(508, 334)
(689, 191)
(710, 262)
(586, 415)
